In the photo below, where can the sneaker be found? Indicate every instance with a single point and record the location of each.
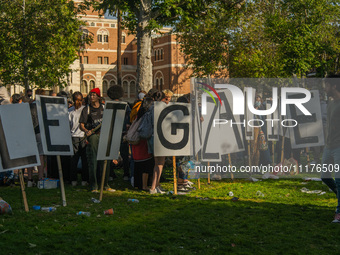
(161, 188)
(126, 178)
(159, 191)
(29, 184)
(84, 183)
(154, 191)
(110, 190)
(336, 218)
(74, 183)
(95, 191)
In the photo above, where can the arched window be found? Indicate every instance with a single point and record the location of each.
(161, 83)
(155, 55)
(123, 38)
(157, 84)
(103, 36)
(83, 87)
(126, 88)
(105, 86)
(112, 82)
(133, 89)
(158, 53)
(92, 85)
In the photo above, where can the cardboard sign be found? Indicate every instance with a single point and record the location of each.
(273, 126)
(196, 128)
(54, 125)
(222, 131)
(309, 131)
(172, 136)
(111, 130)
(18, 146)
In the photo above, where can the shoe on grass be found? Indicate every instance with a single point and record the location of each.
(336, 218)
(110, 190)
(74, 183)
(84, 183)
(160, 191)
(95, 191)
(153, 191)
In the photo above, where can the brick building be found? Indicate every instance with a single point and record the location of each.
(97, 63)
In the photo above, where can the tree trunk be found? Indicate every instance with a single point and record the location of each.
(119, 48)
(144, 64)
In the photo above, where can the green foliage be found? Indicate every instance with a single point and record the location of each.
(45, 33)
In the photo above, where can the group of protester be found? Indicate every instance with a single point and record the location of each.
(139, 163)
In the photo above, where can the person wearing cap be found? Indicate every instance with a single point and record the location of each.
(90, 119)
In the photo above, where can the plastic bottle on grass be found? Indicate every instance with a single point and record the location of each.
(133, 200)
(84, 213)
(48, 209)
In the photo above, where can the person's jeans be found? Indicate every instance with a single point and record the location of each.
(79, 150)
(332, 157)
(91, 153)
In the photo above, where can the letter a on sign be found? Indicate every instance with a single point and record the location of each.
(54, 125)
(111, 130)
(18, 146)
(172, 134)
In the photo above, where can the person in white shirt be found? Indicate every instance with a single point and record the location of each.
(79, 144)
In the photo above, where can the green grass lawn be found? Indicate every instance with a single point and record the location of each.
(284, 221)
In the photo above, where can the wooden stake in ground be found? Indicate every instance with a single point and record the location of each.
(175, 174)
(231, 173)
(199, 179)
(208, 173)
(103, 180)
(307, 154)
(22, 185)
(283, 145)
(249, 155)
(273, 153)
(61, 179)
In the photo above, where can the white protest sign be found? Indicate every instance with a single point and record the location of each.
(309, 130)
(172, 136)
(249, 129)
(111, 130)
(222, 131)
(18, 146)
(54, 125)
(196, 128)
(273, 122)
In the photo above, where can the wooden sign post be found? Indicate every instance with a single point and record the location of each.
(61, 179)
(22, 185)
(103, 180)
(174, 173)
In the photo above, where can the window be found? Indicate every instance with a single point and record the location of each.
(80, 60)
(100, 60)
(161, 53)
(126, 61)
(161, 83)
(126, 88)
(158, 54)
(106, 60)
(92, 24)
(99, 38)
(133, 88)
(113, 25)
(92, 85)
(83, 87)
(105, 86)
(106, 38)
(157, 83)
(155, 55)
(112, 82)
(123, 39)
(86, 60)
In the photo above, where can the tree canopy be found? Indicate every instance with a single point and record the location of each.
(39, 40)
